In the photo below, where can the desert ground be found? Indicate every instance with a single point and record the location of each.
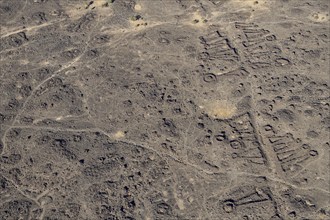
(164, 109)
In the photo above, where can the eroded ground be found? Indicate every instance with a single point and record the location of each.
(173, 109)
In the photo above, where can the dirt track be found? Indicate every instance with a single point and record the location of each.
(173, 109)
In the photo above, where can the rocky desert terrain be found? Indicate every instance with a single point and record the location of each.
(164, 109)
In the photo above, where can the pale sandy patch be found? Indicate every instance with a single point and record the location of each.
(255, 4)
(221, 109)
(319, 17)
(79, 9)
(196, 20)
(137, 7)
(119, 135)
